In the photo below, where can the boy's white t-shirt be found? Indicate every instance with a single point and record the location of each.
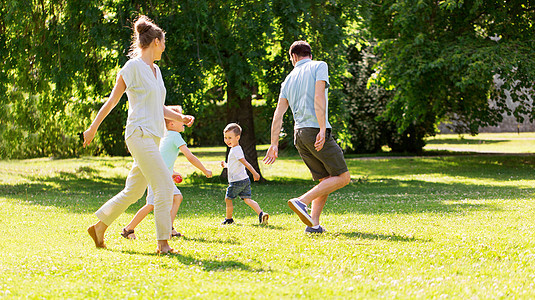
(146, 97)
(236, 170)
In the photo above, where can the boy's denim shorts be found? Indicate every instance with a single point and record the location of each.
(240, 188)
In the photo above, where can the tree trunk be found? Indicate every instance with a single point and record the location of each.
(240, 111)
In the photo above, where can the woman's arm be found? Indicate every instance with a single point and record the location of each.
(115, 96)
(173, 115)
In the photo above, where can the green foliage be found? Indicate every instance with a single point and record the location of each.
(441, 59)
(365, 103)
(62, 57)
(57, 55)
(111, 131)
(366, 130)
(324, 25)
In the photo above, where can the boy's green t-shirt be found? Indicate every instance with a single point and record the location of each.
(169, 148)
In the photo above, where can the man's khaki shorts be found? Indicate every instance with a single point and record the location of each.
(329, 161)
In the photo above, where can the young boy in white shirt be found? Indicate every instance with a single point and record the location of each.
(169, 148)
(239, 182)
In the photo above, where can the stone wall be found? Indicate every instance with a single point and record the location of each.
(510, 124)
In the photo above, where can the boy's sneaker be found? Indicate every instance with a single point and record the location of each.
(320, 229)
(228, 221)
(301, 210)
(263, 218)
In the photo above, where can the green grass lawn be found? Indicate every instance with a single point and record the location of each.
(431, 227)
(523, 142)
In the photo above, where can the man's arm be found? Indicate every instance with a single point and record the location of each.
(276, 125)
(320, 107)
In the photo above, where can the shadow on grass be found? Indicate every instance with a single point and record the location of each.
(84, 191)
(497, 167)
(269, 226)
(384, 237)
(388, 196)
(207, 265)
(376, 196)
(203, 240)
(277, 181)
(457, 141)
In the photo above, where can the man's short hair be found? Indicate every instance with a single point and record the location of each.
(234, 128)
(301, 48)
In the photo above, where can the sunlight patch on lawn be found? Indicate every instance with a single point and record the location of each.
(467, 180)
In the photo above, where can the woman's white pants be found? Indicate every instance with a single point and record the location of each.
(148, 168)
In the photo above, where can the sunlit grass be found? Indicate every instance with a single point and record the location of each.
(523, 142)
(435, 227)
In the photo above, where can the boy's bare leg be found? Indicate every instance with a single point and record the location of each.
(325, 187)
(229, 208)
(140, 215)
(177, 200)
(254, 205)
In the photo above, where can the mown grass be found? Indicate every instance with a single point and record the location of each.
(523, 142)
(421, 227)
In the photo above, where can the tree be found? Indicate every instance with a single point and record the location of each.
(241, 48)
(324, 25)
(441, 59)
(64, 54)
(365, 103)
(216, 45)
(56, 54)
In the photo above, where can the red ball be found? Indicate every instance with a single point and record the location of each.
(177, 178)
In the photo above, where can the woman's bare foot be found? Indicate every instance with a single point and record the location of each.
(97, 232)
(164, 248)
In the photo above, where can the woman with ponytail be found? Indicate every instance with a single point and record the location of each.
(141, 79)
